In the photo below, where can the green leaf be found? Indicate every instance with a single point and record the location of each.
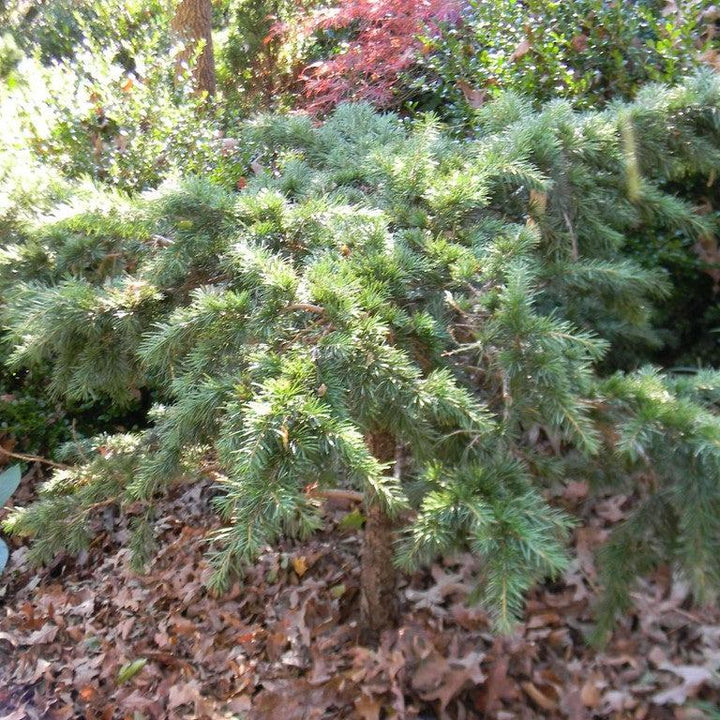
(353, 521)
(129, 670)
(9, 480)
(4, 555)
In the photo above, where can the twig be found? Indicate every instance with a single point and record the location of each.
(688, 616)
(307, 307)
(507, 397)
(33, 458)
(352, 495)
(101, 504)
(573, 238)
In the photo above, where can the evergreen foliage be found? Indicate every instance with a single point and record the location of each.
(464, 298)
(589, 51)
(449, 57)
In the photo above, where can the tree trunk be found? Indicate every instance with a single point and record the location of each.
(192, 23)
(378, 598)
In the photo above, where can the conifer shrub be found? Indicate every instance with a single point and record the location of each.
(444, 326)
(455, 56)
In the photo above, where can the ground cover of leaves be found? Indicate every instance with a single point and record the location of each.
(89, 638)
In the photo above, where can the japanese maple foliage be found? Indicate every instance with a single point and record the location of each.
(384, 43)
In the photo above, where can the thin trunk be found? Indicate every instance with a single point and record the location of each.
(378, 597)
(192, 23)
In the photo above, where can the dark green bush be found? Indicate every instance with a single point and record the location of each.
(35, 424)
(589, 51)
(256, 64)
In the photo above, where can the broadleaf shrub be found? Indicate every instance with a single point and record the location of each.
(113, 106)
(57, 29)
(449, 57)
(258, 64)
(589, 51)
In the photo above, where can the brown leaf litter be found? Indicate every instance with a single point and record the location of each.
(89, 638)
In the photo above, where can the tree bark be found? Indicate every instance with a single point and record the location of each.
(192, 23)
(378, 596)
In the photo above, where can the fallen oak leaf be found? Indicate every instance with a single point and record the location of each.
(240, 704)
(41, 669)
(571, 705)
(46, 634)
(576, 490)
(611, 509)
(497, 682)
(436, 595)
(367, 708)
(297, 699)
(18, 714)
(183, 694)
(657, 657)
(8, 638)
(139, 702)
(276, 643)
(692, 676)
(168, 659)
(590, 694)
(300, 565)
(539, 698)
(86, 670)
(615, 702)
(88, 693)
(475, 98)
(438, 678)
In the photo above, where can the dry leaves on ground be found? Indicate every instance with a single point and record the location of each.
(92, 639)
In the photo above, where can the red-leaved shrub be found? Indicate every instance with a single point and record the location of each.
(384, 43)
